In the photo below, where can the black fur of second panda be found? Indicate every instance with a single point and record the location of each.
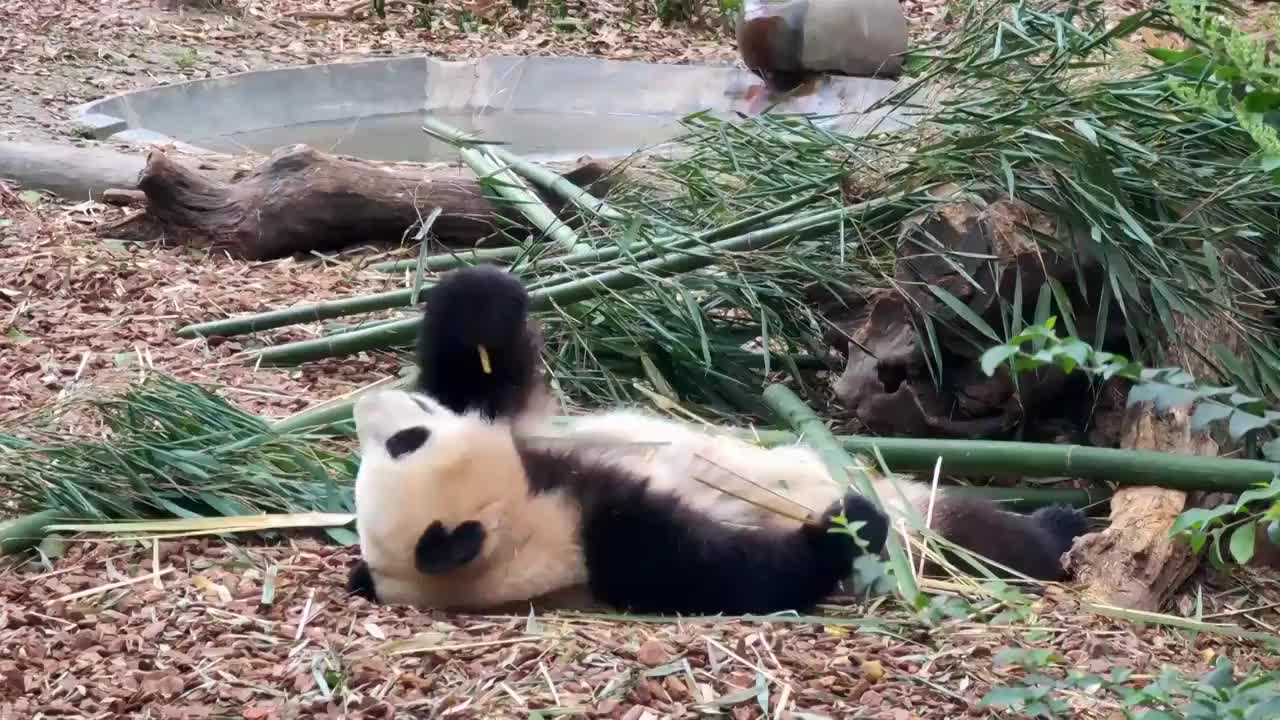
(644, 551)
(479, 306)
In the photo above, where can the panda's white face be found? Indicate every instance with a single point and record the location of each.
(421, 465)
(444, 512)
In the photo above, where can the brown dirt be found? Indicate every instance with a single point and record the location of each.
(199, 641)
(80, 312)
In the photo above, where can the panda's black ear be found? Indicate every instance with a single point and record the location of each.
(407, 441)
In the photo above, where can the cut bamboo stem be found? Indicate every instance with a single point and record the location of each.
(507, 184)
(311, 312)
(230, 327)
(556, 183)
(26, 531)
(677, 261)
(535, 173)
(458, 258)
(794, 412)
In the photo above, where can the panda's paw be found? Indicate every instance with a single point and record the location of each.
(857, 509)
(440, 551)
(360, 582)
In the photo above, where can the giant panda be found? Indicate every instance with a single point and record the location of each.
(470, 496)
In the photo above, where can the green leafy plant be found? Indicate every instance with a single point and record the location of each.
(1214, 696)
(1039, 346)
(1229, 73)
(187, 59)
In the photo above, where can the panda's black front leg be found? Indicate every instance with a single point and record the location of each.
(439, 551)
(360, 582)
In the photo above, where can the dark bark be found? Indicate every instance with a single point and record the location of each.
(299, 200)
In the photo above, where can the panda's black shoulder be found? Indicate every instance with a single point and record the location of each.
(585, 478)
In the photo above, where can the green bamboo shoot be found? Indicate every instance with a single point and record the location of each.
(675, 262)
(794, 412)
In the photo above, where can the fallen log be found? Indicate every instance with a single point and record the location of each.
(300, 200)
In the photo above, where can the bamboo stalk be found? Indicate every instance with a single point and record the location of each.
(554, 182)
(311, 312)
(332, 416)
(449, 261)
(537, 174)
(507, 184)
(676, 262)
(794, 412)
(1002, 457)
(26, 531)
(229, 327)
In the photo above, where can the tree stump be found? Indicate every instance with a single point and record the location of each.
(300, 200)
(1134, 563)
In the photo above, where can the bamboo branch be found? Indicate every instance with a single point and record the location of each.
(26, 531)
(443, 262)
(507, 184)
(553, 182)
(677, 261)
(794, 412)
(329, 309)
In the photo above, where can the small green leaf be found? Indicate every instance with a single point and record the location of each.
(995, 357)
(1085, 130)
(1242, 423)
(964, 311)
(1171, 57)
(1261, 101)
(1242, 540)
(1220, 676)
(31, 197)
(343, 536)
(1010, 697)
(53, 546)
(1270, 163)
(1208, 412)
(1268, 710)
(1271, 492)
(1273, 532)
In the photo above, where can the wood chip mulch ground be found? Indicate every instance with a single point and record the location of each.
(195, 628)
(241, 628)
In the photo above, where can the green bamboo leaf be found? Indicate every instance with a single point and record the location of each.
(1268, 710)
(1085, 130)
(1271, 492)
(1208, 412)
(994, 357)
(964, 311)
(1243, 423)
(1199, 518)
(1009, 697)
(1242, 543)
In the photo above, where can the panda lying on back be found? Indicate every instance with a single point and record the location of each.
(468, 497)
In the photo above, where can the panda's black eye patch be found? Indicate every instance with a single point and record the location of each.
(406, 441)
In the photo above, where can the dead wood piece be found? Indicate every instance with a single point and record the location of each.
(123, 198)
(1134, 563)
(983, 254)
(300, 200)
